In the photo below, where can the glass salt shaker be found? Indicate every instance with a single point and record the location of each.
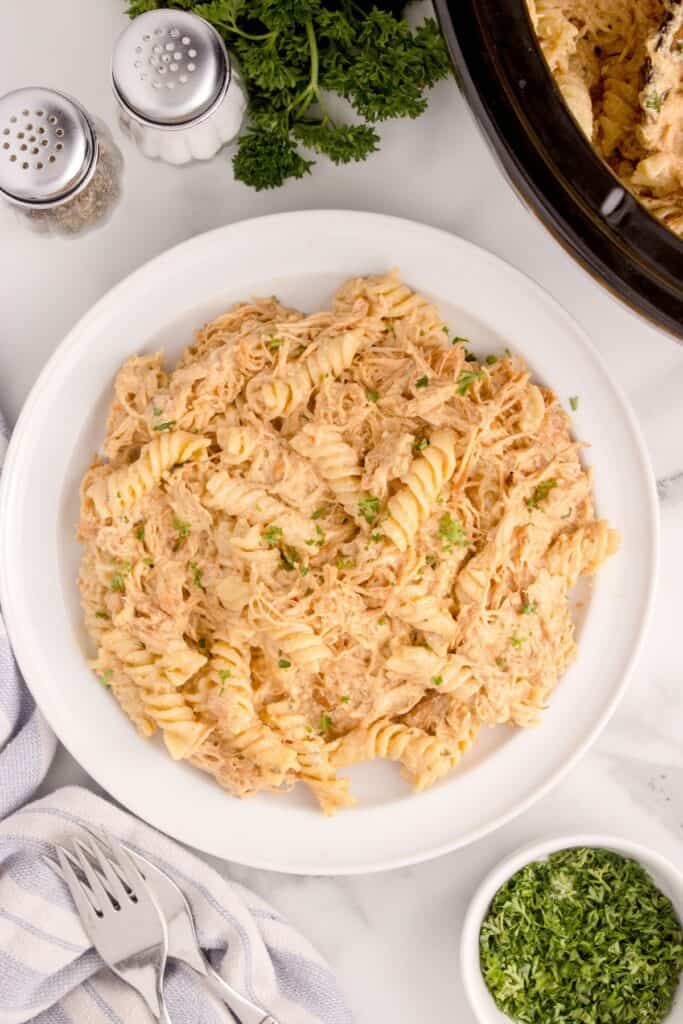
(59, 166)
(180, 93)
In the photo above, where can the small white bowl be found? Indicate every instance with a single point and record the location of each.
(666, 876)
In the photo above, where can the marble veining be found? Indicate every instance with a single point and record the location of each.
(392, 937)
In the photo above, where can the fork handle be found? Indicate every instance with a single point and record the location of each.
(164, 1015)
(245, 1011)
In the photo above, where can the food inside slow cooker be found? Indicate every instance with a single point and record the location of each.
(619, 66)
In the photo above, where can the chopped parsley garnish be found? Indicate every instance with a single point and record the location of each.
(451, 531)
(437, 681)
(117, 584)
(529, 608)
(583, 936)
(460, 341)
(574, 403)
(106, 676)
(470, 357)
(376, 537)
(517, 641)
(101, 614)
(196, 575)
(372, 395)
(320, 512)
(654, 102)
(304, 570)
(156, 412)
(432, 561)
(290, 558)
(491, 360)
(272, 536)
(445, 329)
(224, 674)
(164, 426)
(420, 443)
(369, 508)
(382, 621)
(140, 532)
(319, 538)
(345, 700)
(325, 723)
(183, 530)
(149, 561)
(467, 379)
(274, 344)
(202, 642)
(507, 352)
(284, 663)
(541, 492)
(422, 382)
(345, 563)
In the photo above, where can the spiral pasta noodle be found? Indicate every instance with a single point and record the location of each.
(112, 494)
(414, 501)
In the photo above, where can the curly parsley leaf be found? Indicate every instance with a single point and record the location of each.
(341, 143)
(266, 159)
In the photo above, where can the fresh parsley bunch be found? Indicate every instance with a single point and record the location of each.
(292, 52)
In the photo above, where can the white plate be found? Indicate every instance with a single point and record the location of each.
(303, 257)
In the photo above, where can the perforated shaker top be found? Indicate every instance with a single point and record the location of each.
(169, 66)
(48, 147)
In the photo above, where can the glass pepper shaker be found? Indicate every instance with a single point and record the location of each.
(180, 93)
(59, 166)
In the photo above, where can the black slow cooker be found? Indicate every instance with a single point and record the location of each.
(546, 156)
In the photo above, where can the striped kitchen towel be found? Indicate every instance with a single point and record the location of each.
(48, 971)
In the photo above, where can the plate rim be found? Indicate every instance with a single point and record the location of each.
(197, 242)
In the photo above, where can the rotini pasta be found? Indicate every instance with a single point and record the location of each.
(618, 65)
(365, 552)
(412, 504)
(273, 397)
(111, 494)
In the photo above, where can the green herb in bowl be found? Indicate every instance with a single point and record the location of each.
(584, 937)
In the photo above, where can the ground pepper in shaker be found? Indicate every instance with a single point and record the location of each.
(180, 93)
(59, 166)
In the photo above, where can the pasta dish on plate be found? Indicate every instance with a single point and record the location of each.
(323, 539)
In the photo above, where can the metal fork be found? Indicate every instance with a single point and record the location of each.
(183, 943)
(120, 917)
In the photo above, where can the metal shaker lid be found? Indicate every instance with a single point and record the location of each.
(169, 67)
(48, 147)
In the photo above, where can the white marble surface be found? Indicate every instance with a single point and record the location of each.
(392, 937)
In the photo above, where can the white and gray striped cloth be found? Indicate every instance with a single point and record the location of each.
(48, 971)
